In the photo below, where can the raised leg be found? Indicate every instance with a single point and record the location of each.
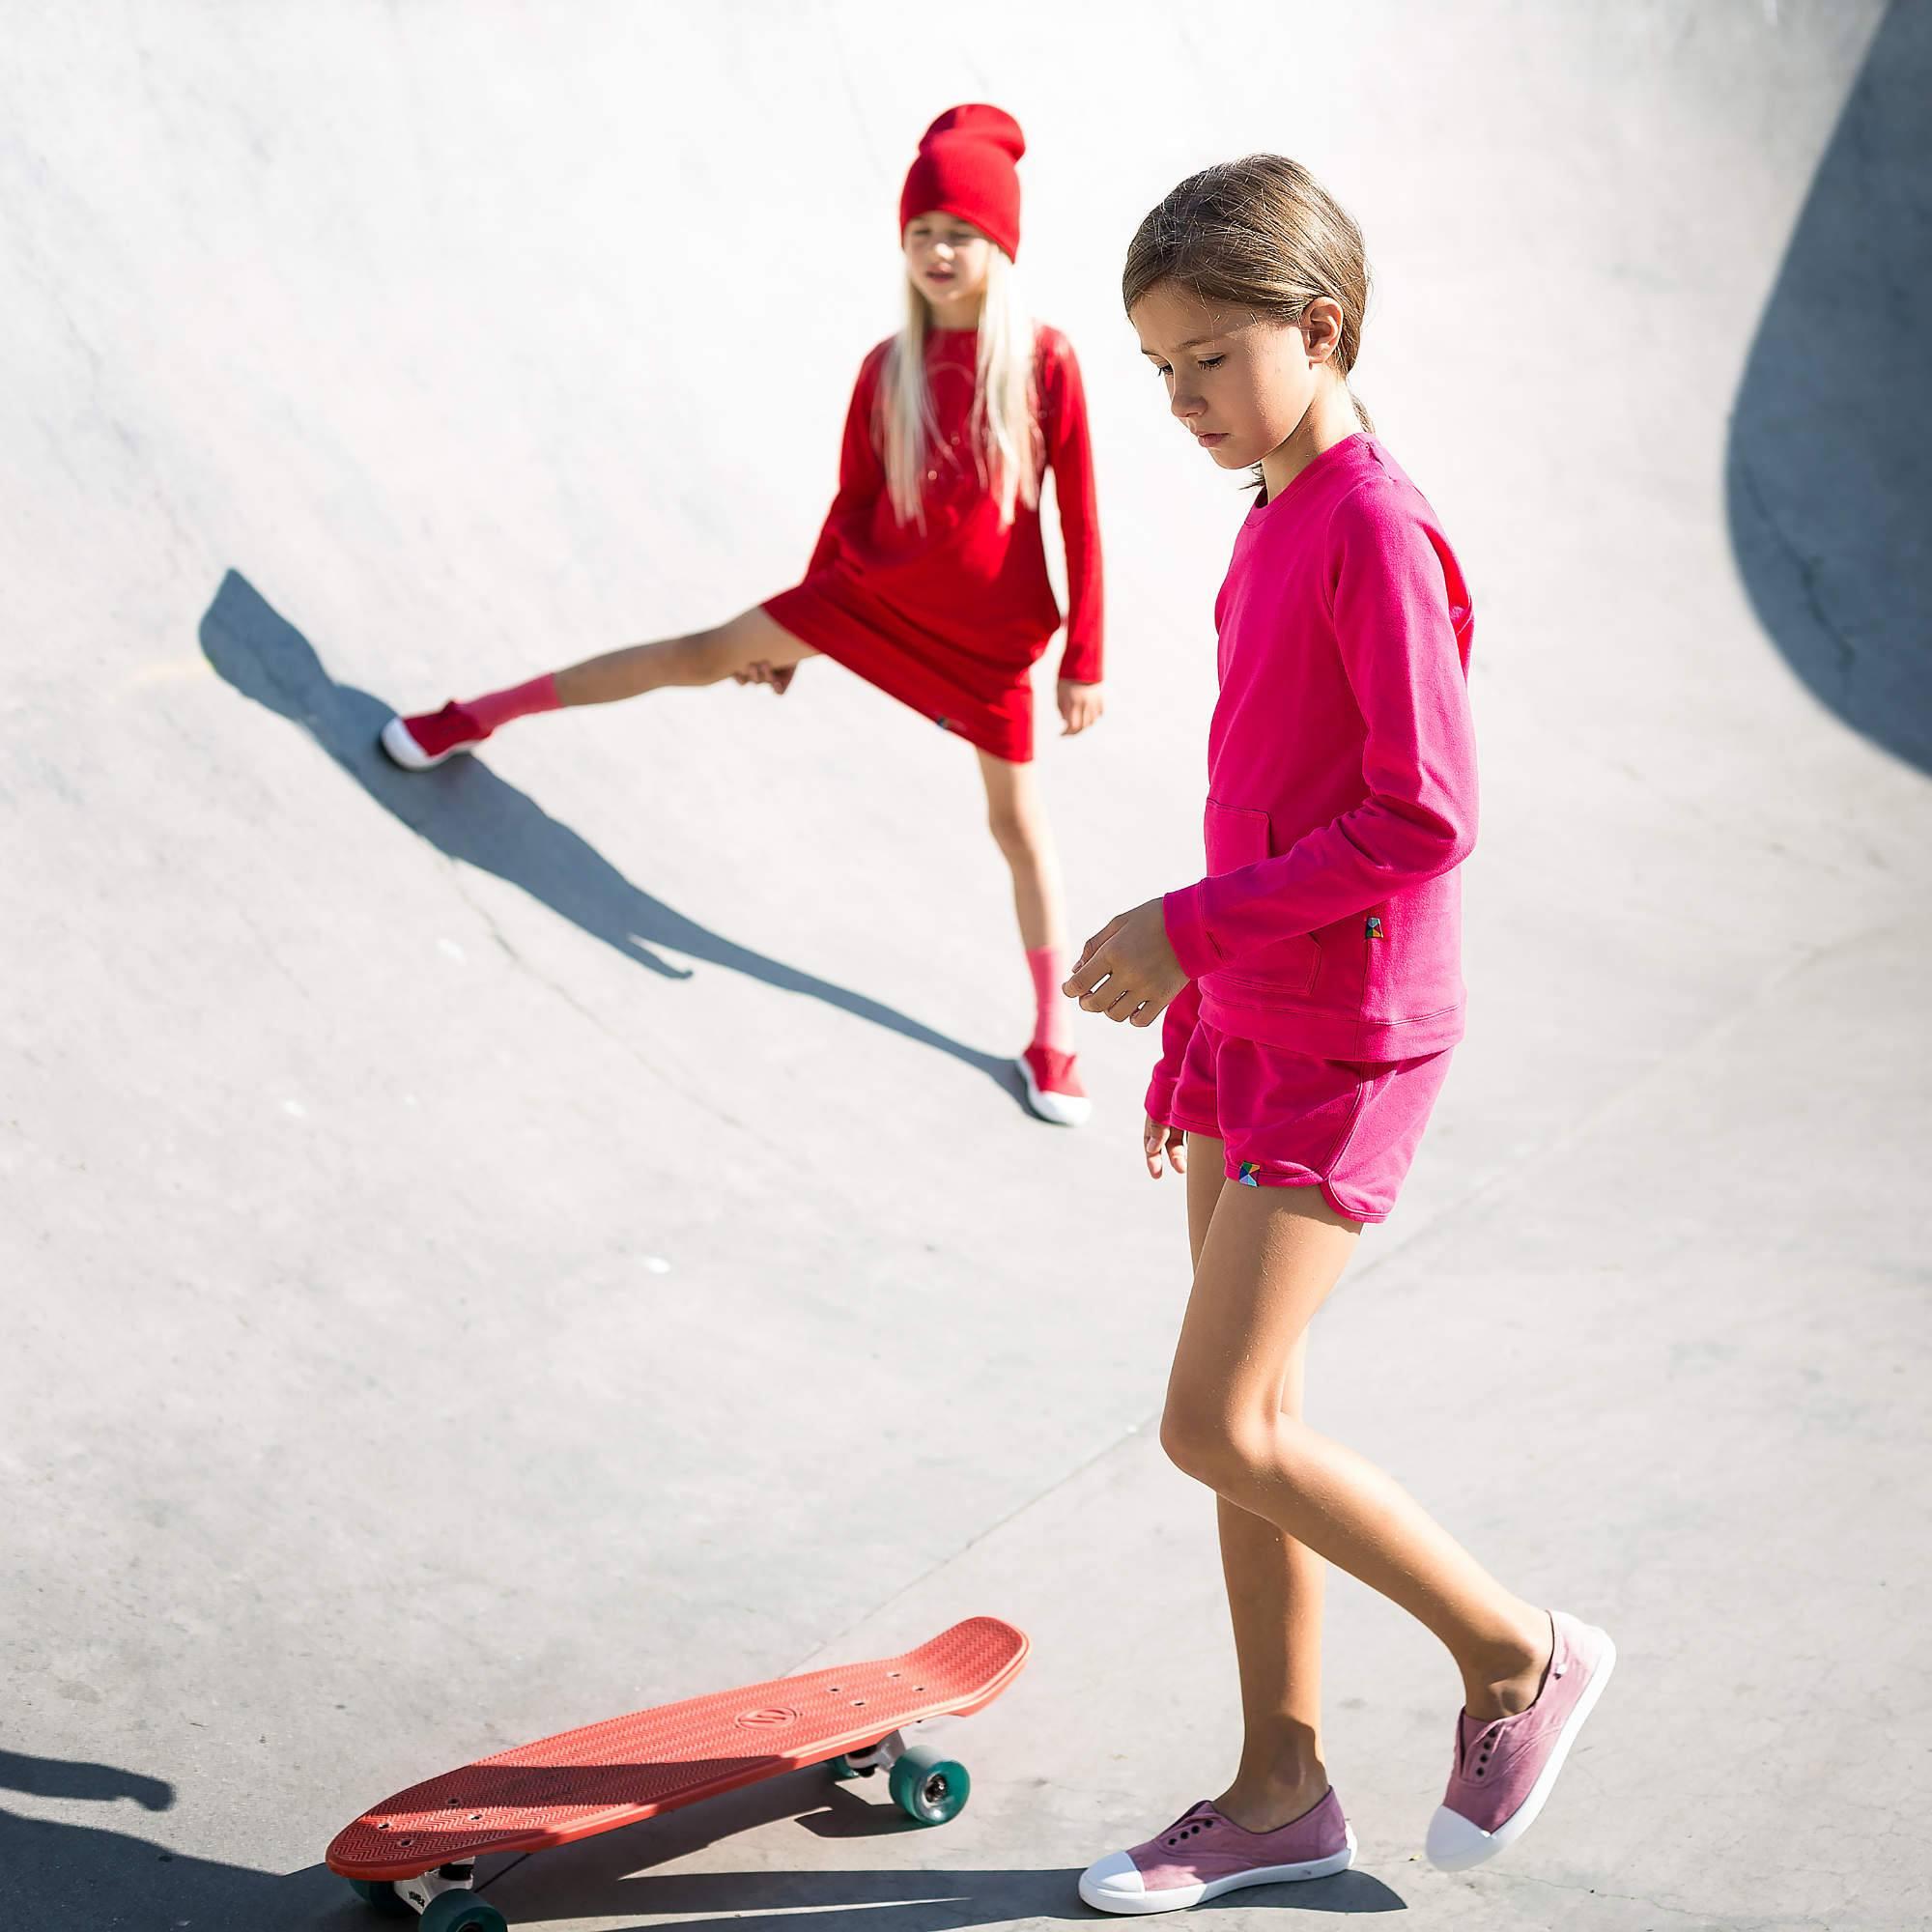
(730, 649)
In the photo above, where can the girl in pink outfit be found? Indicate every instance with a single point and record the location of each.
(1311, 989)
(929, 578)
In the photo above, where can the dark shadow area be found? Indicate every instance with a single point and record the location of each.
(468, 812)
(57, 1877)
(623, 1872)
(1828, 474)
(70, 1777)
(60, 1877)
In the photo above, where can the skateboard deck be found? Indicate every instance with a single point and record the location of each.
(627, 1769)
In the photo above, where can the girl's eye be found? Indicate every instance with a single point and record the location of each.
(1161, 369)
(1212, 361)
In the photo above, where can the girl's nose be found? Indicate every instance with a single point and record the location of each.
(1185, 407)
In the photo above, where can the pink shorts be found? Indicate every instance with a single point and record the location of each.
(1350, 1128)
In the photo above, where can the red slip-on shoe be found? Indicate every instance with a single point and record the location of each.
(423, 741)
(1053, 1088)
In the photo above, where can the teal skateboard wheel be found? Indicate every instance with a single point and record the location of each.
(379, 1893)
(461, 1912)
(929, 1786)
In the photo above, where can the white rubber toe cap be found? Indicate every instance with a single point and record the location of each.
(1114, 1884)
(403, 749)
(1060, 1110)
(1453, 1844)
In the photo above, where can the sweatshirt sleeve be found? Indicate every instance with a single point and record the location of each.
(861, 477)
(1176, 1030)
(1069, 451)
(1389, 601)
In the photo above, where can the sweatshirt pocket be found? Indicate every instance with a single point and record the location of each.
(1239, 835)
(1235, 835)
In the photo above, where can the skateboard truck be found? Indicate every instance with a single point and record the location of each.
(882, 1756)
(420, 1890)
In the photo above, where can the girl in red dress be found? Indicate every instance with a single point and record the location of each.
(929, 578)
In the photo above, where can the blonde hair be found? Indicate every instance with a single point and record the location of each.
(1004, 424)
(1261, 233)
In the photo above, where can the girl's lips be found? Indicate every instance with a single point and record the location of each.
(1210, 437)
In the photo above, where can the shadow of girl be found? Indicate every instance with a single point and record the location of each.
(468, 812)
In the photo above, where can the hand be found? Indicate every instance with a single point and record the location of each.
(1080, 705)
(1157, 1140)
(1127, 969)
(780, 680)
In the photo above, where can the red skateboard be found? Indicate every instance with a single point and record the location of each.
(417, 1850)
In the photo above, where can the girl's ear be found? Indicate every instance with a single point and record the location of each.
(1322, 327)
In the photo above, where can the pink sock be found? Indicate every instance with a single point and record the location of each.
(1053, 1026)
(521, 700)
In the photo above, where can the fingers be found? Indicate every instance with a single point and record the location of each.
(1107, 993)
(1082, 965)
(1159, 1142)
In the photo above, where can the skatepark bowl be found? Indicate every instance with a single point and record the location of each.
(496, 1248)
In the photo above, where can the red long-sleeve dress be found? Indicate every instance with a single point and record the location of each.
(949, 620)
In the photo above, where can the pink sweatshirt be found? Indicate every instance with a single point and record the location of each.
(1341, 778)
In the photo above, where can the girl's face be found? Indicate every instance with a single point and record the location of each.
(1240, 383)
(948, 258)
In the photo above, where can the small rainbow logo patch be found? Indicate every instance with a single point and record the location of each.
(1375, 927)
(1249, 1170)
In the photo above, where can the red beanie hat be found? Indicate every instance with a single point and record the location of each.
(965, 168)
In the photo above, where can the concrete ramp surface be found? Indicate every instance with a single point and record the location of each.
(490, 1251)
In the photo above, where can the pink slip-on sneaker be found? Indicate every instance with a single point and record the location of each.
(1201, 1854)
(1506, 1768)
(1053, 1088)
(418, 743)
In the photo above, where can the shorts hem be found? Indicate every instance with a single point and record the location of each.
(1315, 1181)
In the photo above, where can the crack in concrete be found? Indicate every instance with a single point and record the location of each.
(1707, 1921)
(596, 1020)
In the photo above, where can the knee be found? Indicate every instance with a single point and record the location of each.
(1203, 1440)
(1014, 830)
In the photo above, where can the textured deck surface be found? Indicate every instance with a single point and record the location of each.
(630, 1768)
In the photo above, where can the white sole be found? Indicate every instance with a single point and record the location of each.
(1453, 1844)
(1062, 1110)
(1177, 1898)
(403, 750)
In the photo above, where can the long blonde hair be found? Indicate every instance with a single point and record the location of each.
(1263, 233)
(1005, 427)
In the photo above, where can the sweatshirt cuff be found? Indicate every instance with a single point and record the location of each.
(1159, 1105)
(1186, 922)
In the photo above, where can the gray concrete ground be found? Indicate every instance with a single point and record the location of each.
(490, 1251)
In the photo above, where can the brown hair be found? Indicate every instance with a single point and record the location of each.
(1260, 232)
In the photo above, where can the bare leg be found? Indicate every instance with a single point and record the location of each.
(1018, 821)
(1274, 1597)
(1269, 1259)
(705, 657)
